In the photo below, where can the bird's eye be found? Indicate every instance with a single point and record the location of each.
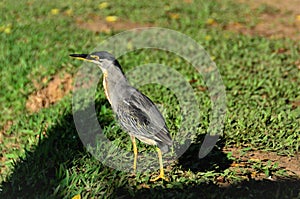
(95, 57)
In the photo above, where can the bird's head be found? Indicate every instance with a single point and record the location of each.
(103, 59)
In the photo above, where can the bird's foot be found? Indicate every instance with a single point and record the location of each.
(161, 176)
(133, 173)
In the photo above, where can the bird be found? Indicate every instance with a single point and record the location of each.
(135, 112)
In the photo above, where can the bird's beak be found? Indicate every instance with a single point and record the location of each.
(80, 56)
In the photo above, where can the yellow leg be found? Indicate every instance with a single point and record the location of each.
(135, 153)
(161, 168)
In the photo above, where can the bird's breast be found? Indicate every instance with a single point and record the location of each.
(106, 89)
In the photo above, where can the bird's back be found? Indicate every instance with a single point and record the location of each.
(139, 116)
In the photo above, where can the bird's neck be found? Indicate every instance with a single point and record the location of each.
(113, 84)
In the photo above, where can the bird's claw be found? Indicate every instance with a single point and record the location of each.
(159, 177)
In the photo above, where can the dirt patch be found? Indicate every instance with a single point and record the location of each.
(5, 127)
(246, 159)
(99, 24)
(279, 19)
(57, 88)
(295, 104)
(288, 5)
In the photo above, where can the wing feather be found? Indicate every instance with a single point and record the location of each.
(139, 116)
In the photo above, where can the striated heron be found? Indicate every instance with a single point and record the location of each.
(136, 113)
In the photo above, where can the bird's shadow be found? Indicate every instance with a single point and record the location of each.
(40, 171)
(216, 160)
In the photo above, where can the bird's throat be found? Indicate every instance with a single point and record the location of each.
(105, 86)
(113, 84)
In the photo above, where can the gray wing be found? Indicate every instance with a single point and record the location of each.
(139, 115)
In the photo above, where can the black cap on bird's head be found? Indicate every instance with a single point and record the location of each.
(95, 56)
(102, 58)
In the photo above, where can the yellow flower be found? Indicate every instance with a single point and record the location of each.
(174, 15)
(111, 18)
(298, 17)
(103, 5)
(77, 196)
(210, 21)
(7, 30)
(54, 11)
(207, 37)
(69, 12)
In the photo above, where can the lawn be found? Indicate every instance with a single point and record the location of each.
(42, 155)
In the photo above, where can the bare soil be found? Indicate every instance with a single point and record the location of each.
(291, 164)
(59, 86)
(99, 24)
(279, 19)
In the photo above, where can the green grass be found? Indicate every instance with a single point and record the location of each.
(43, 152)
